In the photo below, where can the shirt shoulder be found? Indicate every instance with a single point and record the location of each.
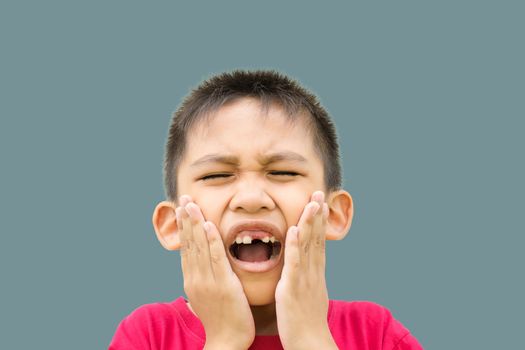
(367, 325)
(155, 326)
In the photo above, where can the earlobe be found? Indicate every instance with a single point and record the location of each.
(341, 214)
(165, 225)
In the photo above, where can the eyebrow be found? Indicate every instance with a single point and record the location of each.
(264, 160)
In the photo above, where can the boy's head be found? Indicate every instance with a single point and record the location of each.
(269, 88)
(250, 148)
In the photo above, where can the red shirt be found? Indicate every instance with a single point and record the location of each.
(357, 325)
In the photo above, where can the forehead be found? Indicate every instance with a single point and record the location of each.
(248, 111)
(243, 128)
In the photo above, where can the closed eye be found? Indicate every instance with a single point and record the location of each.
(283, 173)
(226, 175)
(214, 176)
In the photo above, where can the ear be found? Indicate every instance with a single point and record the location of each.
(341, 214)
(165, 225)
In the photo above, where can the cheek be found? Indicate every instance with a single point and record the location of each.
(294, 214)
(212, 207)
(293, 208)
(212, 213)
(292, 201)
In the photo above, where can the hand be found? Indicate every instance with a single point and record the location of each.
(214, 291)
(301, 295)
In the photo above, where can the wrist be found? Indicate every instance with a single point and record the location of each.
(323, 340)
(214, 344)
(209, 346)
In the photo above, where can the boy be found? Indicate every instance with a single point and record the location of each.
(253, 179)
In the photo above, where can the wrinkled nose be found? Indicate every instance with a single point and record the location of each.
(251, 196)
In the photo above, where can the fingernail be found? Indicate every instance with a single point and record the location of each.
(193, 210)
(314, 208)
(182, 212)
(207, 227)
(318, 196)
(189, 208)
(184, 199)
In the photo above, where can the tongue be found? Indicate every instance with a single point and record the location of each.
(257, 251)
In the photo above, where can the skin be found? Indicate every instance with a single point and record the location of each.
(233, 304)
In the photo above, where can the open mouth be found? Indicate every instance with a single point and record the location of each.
(255, 250)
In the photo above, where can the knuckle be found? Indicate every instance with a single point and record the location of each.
(197, 250)
(295, 265)
(215, 258)
(185, 247)
(320, 243)
(212, 239)
(306, 247)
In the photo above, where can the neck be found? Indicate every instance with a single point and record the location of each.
(265, 319)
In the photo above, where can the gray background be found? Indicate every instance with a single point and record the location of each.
(428, 100)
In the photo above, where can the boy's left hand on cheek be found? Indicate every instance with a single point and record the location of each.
(301, 295)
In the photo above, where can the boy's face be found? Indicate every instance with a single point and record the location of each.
(251, 156)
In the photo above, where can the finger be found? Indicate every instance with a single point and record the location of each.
(219, 261)
(318, 196)
(187, 247)
(292, 256)
(318, 231)
(305, 225)
(197, 220)
(183, 200)
(318, 254)
(186, 238)
(202, 250)
(311, 248)
(179, 220)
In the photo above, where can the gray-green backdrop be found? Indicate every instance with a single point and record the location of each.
(428, 98)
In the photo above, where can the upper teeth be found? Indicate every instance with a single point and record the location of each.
(248, 240)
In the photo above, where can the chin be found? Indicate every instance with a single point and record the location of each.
(261, 300)
(260, 293)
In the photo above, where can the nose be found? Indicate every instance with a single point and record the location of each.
(251, 196)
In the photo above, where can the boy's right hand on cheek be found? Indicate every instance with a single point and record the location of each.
(214, 291)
